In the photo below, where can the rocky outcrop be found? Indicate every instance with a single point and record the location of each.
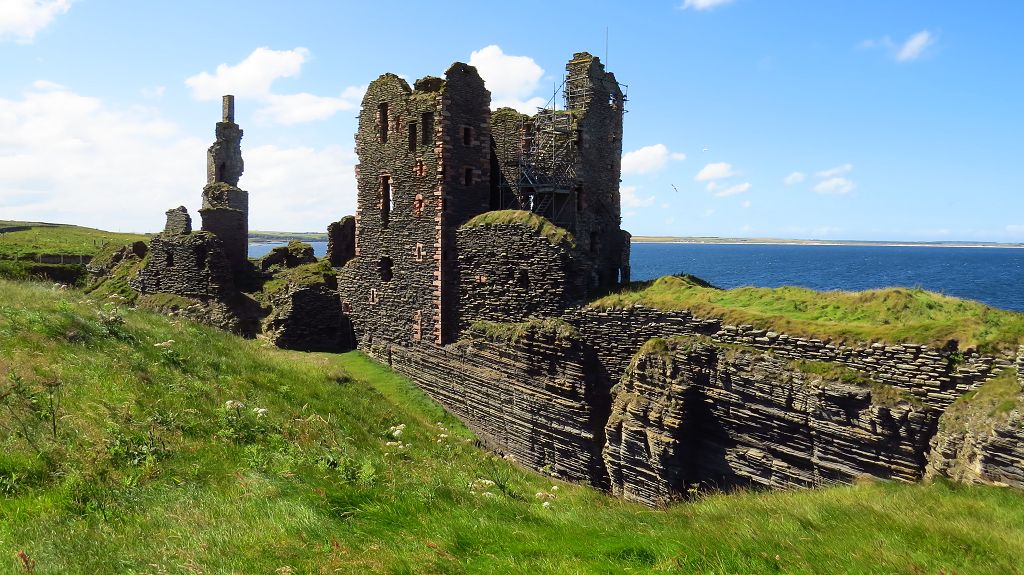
(689, 412)
(981, 436)
(292, 255)
(527, 390)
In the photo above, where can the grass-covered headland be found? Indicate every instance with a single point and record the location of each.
(893, 315)
(138, 443)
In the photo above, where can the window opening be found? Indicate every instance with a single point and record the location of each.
(386, 267)
(467, 178)
(382, 122)
(385, 200)
(412, 136)
(428, 127)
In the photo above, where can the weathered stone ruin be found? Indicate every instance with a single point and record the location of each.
(479, 243)
(480, 237)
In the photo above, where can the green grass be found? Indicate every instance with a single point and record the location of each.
(540, 224)
(992, 400)
(894, 315)
(58, 239)
(121, 456)
(881, 393)
(314, 273)
(514, 331)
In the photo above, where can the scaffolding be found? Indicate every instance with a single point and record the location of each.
(544, 177)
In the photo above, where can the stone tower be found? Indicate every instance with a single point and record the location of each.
(424, 170)
(225, 209)
(565, 165)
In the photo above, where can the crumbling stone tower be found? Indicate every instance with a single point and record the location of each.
(424, 161)
(225, 209)
(566, 164)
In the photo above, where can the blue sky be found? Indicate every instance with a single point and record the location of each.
(896, 120)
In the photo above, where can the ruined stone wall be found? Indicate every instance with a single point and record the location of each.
(531, 398)
(190, 265)
(598, 95)
(692, 413)
(341, 241)
(308, 318)
(466, 166)
(389, 288)
(930, 374)
(510, 272)
(224, 158)
(403, 284)
(225, 213)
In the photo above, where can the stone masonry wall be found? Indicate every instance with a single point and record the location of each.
(690, 412)
(532, 398)
(927, 373)
(190, 265)
(389, 289)
(510, 272)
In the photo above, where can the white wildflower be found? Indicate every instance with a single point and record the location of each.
(233, 404)
(488, 494)
(393, 443)
(260, 411)
(167, 343)
(547, 504)
(554, 488)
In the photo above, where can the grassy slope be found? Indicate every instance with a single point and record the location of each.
(149, 472)
(540, 224)
(58, 239)
(892, 314)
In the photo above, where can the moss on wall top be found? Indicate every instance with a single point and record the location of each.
(539, 224)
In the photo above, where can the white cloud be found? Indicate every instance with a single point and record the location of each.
(299, 189)
(512, 80)
(915, 46)
(254, 77)
(704, 4)
(20, 20)
(67, 157)
(911, 49)
(677, 156)
(836, 171)
(250, 78)
(648, 159)
(794, 178)
(154, 93)
(715, 171)
(631, 200)
(745, 204)
(299, 108)
(733, 190)
(834, 186)
(712, 186)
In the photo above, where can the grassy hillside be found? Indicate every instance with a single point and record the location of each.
(136, 443)
(892, 314)
(63, 239)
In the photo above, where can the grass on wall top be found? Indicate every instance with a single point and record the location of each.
(543, 226)
(893, 315)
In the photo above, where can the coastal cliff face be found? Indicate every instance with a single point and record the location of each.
(528, 390)
(981, 436)
(690, 414)
(717, 407)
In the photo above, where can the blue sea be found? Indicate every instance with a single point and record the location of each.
(994, 276)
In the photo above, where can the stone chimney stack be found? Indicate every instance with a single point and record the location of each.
(229, 109)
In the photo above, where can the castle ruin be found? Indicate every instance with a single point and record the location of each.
(479, 243)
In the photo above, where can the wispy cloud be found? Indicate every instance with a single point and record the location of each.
(630, 199)
(715, 171)
(836, 171)
(648, 159)
(21, 20)
(733, 190)
(909, 50)
(834, 186)
(512, 80)
(794, 178)
(254, 77)
(704, 4)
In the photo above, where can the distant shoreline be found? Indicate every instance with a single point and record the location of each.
(285, 237)
(789, 242)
